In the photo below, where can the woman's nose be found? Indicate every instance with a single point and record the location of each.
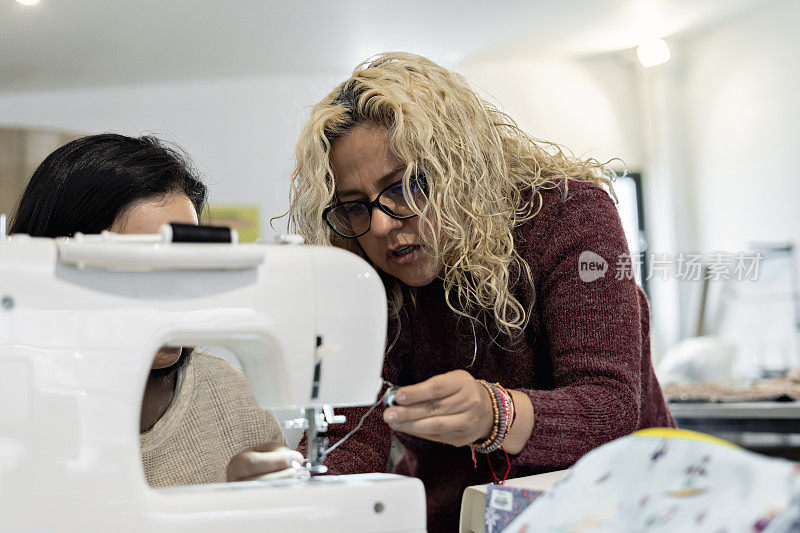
(382, 223)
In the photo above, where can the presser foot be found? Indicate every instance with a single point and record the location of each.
(315, 470)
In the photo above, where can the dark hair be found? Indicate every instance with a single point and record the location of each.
(87, 183)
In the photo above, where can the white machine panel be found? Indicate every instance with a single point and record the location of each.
(80, 321)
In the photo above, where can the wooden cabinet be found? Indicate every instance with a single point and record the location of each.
(21, 151)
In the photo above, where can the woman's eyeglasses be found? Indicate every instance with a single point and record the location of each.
(353, 219)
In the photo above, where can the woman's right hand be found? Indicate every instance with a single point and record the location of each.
(266, 461)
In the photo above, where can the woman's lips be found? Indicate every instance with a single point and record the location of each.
(404, 255)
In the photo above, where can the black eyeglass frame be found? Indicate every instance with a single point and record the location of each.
(418, 178)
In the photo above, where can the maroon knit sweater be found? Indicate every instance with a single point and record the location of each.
(584, 360)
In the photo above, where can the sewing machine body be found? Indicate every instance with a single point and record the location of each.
(80, 322)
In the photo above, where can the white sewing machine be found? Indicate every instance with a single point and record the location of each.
(80, 321)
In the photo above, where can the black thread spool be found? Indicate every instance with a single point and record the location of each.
(192, 233)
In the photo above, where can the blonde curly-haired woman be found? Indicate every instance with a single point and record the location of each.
(497, 344)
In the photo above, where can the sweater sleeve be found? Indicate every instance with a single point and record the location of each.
(591, 329)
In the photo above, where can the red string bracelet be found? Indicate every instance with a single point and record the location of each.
(508, 468)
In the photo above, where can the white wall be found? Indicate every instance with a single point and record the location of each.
(588, 105)
(239, 133)
(742, 98)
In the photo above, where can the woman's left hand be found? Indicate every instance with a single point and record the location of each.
(452, 408)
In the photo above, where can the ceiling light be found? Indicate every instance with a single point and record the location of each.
(28, 2)
(653, 53)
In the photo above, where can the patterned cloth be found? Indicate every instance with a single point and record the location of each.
(669, 480)
(504, 504)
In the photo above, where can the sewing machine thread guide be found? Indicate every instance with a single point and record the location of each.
(317, 370)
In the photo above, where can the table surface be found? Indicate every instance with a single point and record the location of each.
(741, 410)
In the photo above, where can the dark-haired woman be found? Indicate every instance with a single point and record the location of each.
(197, 411)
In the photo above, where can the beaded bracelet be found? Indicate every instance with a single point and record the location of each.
(504, 414)
(481, 445)
(504, 420)
(503, 417)
(513, 414)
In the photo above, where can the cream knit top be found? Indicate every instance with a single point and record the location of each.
(212, 417)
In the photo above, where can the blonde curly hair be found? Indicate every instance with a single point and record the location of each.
(484, 177)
